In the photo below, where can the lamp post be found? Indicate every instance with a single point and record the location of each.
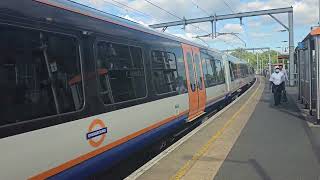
(284, 52)
(257, 63)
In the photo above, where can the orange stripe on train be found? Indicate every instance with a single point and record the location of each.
(91, 154)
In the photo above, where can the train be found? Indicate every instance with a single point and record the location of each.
(307, 59)
(82, 90)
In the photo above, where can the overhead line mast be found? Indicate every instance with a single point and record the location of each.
(270, 12)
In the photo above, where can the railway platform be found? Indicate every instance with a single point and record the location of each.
(249, 139)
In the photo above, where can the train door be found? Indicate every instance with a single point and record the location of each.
(200, 80)
(196, 88)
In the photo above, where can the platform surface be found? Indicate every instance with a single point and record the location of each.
(276, 143)
(251, 140)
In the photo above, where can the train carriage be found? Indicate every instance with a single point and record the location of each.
(82, 89)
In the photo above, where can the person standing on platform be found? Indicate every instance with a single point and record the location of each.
(276, 79)
(283, 84)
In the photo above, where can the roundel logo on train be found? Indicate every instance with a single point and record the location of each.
(96, 133)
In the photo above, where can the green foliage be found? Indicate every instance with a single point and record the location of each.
(252, 56)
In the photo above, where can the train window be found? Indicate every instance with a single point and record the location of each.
(164, 71)
(211, 75)
(231, 69)
(236, 71)
(246, 70)
(39, 75)
(204, 70)
(241, 70)
(219, 71)
(121, 72)
(182, 79)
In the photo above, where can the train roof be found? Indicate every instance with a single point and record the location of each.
(101, 15)
(84, 10)
(104, 16)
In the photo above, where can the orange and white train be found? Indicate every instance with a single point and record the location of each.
(82, 89)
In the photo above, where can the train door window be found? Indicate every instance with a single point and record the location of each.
(191, 71)
(198, 71)
(120, 72)
(40, 74)
(164, 71)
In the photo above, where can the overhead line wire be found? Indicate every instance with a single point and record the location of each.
(228, 6)
(148, 1)
(133, 9)
(199, 7)
(151, 15)
(166, 12)
(143, 13)
(163, 9)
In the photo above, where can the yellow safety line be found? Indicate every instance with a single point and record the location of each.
(186, 167)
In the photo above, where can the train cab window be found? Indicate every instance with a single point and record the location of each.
(164, 71)
(120, 72)
(39, 74)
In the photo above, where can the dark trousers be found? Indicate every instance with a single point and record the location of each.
(277, 90)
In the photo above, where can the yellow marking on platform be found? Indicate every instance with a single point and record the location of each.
(186, 167)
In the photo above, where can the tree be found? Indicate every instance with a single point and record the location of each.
(252, 56)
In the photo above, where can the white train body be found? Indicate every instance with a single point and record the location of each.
(86, 124)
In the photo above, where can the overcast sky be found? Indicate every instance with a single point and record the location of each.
(256, 31)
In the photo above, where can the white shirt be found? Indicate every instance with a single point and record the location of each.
(277, 78)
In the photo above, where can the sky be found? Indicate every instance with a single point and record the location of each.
(262, 31)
